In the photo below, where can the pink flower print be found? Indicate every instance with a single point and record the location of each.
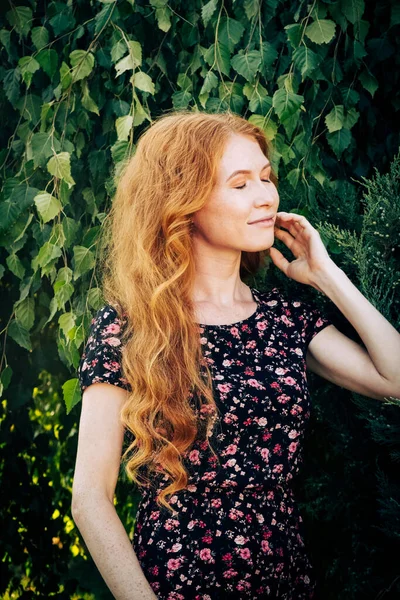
(227, 362)
(281, 371)
(241, 540)
(244, 553)
(298, 351)
(296, 409)
(206, 555)
(231, 449)
(275, 385)
(155, 515)
(234, 331)
(256, 384)
(230, 573)
(262, 422)
(176, 547)
(293, 434)
(234, 514)
(278, 469)
(266, 436)
(230, 463)
(207, 539)
(251, 344)
(272, 302)
(296, 304)
(289, 381)
(112, 341)
(113, 366)
(249, 371)
(277, 449)
(192, 488)
(216, 502)
(287, 321)
(224, 387)
(209, 476)
(265, 547)
(203, 340)
(270, 351)
(192, 524)
(194, 457)
(293, 446)
(170, 524)
(175, 595)
(230, 418)
(174, 563)
(262, 325)
(112, 328)
(227, 557)
(319, 322)
(283, 398)
(265, 454)
(243, 585)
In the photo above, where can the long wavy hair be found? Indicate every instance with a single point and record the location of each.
(147, 271)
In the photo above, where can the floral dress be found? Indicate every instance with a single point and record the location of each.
(236, 531)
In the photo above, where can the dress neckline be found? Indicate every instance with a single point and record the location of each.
(256, 299)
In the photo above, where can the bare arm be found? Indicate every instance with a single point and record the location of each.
(96, 472)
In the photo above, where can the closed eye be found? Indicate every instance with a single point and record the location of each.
(240, 187)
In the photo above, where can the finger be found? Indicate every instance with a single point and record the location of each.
(292, 221)
(285, 237)
(279, 260)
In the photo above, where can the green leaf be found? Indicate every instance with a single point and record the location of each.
(247, 64)
(82, 62)
(339, 141)
(87, 100)
(59, 166)
(163, 18)
(305, 60)
(120, 151)
(15, 265)
(20, 17)
(266, 124)
(353, 10)
(47, 254)
(369, 82)
(230, 32)
(132, 60)
(210, 82)
(351, 118)
(40, 37)
(218, 57)
(28, 64)
(43, 146)
(95, 298)
(48, 60)
(334, 120)
(65, 76)
(66, 322)
(48, 206)
(294, 34)
(208, 10)
(84, 261)
(143, 82)
(286, 103)
(123, 126)
(25, 313)
(20, 335)
(72, 393)
(321, 31)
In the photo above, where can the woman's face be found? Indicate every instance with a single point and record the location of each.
(239, 199)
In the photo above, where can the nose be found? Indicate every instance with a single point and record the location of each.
(265, 196)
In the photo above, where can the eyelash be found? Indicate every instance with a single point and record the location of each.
(242, 186)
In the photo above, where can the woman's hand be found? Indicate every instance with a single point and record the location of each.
(305, 242)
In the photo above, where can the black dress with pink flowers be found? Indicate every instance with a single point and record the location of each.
(236, 531)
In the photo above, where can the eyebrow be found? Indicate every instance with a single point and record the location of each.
(246, 171)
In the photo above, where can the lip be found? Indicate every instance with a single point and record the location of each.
(265, 221)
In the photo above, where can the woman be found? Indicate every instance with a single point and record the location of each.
(208, 375)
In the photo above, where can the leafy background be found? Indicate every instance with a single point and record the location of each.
(80, 80)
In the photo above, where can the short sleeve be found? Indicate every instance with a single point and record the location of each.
(101, 359)
(311, 318)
